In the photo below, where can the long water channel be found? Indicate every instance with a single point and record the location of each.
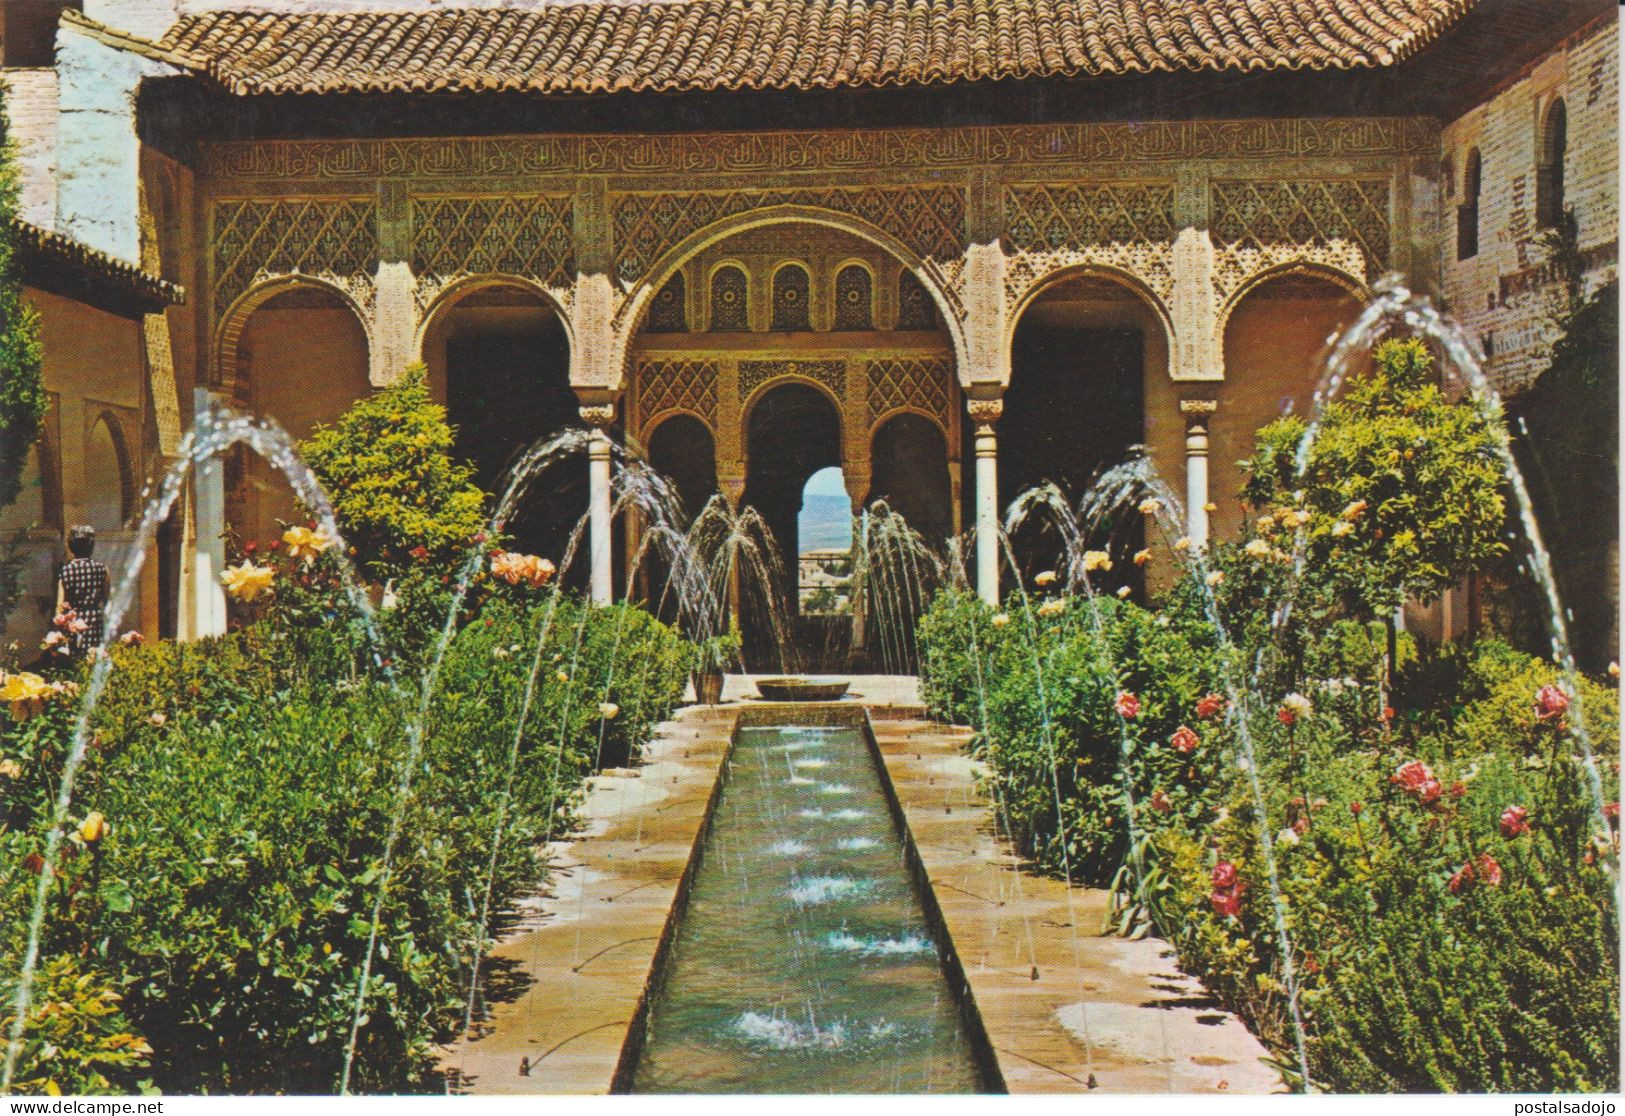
(804, 959)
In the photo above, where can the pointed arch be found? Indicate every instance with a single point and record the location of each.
(642, 292)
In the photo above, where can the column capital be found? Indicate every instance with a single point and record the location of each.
(597, 415)
(1198, 410)
(985, 413)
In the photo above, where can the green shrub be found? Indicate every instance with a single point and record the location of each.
(77, 1040)
(250, 800)
(1403, 485)
(386, 464)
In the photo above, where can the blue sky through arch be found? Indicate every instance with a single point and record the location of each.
(826, 512)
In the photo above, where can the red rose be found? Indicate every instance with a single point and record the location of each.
(1489, 870)
(1209, 706)
(1355, 808)
(1226, 904)
(1286, 716)
(1127, 705)
(1387, 713)
(250, 546)
(1184, 740)
(1411, 776)
(1550, 703)
(1462, 878)
(1458, 789)
(1160, 803)
(1224, 875)
(1514, 821)
(419, 552)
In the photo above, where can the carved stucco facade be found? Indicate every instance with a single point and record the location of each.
(1190, 216)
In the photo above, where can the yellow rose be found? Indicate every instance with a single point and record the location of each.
(1096, 560)
(303, 542)
(608, 710)
(510, 567)
(248, 581)
(26, 694)
(1141, 557)
(1045, 579)
(93, 828)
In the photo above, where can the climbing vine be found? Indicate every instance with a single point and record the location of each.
(22, 382)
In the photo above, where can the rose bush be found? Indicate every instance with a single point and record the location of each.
(225, 848)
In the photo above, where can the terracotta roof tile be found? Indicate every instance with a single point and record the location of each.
(39, 244)
(674, 45)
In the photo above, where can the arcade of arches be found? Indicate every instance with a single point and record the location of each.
(946, 338)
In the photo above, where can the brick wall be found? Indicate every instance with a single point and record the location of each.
(1500, 294)
(31, 103)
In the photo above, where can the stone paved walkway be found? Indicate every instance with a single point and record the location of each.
(1100, 1008)
(567, 976)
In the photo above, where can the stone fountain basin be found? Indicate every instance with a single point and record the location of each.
(801, 689)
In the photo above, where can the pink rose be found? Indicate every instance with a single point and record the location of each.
(1127, 705)
(1514, 821)
(1550, 703)
(1184, 740)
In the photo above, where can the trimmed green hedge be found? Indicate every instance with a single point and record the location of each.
(248, 805)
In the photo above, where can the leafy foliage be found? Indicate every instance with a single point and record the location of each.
(249, 785)
(386, 464)
(22, 381)
(1402, 484)
(1442, 871)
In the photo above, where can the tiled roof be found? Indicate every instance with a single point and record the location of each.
(676, 45)
(39, 244)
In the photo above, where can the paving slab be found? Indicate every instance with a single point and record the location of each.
(1101, 1012)
(1066, 1007)
(566, 978)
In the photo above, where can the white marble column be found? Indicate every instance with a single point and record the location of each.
(208, 524)
(599, 542)
(985, 414)
(1198, 414)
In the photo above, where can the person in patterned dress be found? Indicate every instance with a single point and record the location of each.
(85, 589)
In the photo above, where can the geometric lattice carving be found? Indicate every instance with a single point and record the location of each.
(854, 299)
(930, 219)
(915, 310)
(791, 288)
(526, 236)
(1075, 216)
(1342, 223)
(919, 384)
(667, 313)
(1126, 226)
(677, 385)
(754, 373)
(730, 301)
(331, 239)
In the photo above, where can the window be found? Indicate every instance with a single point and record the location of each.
(1467, 212)
(854, 298)
(667, 313)
(1554, 142)
(730, 309)
(790, 287)
(915, 309)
